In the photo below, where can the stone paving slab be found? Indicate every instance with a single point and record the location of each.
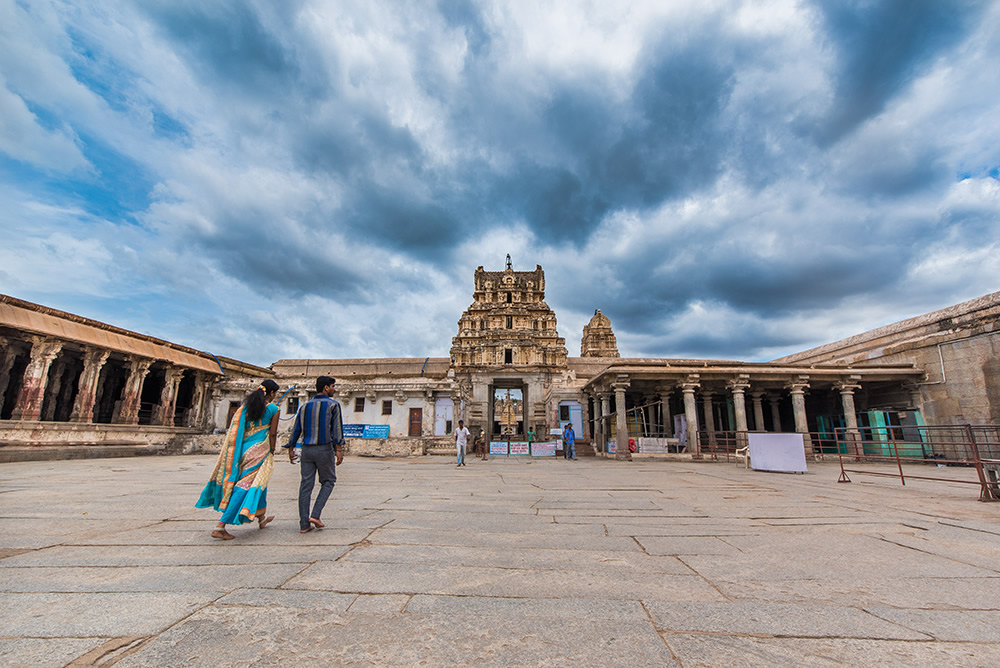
(951, 625)
(193, 555)
(273, 637)
(541, 559)
(675, 545)
(461, 537)
(218, 578)
(775, 619)
(285, 598)
(869, 589)
(388, 578)
(67, 615)
(711, 651)
(45, 652)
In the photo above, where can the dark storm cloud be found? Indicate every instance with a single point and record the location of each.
(228, 43)
(881, 48)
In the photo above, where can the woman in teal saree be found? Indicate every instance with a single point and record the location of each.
(238, 486)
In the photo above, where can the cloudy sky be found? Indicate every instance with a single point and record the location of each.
(723, 179)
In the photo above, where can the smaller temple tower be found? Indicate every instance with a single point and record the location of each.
(598, 339)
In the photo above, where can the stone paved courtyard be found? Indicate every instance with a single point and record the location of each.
(502, 563)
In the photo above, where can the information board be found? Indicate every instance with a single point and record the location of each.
(777, 452)
(498, 447)
(545, 449)
(354, 430)
(612, 447)
(376, 431)
(519, 448)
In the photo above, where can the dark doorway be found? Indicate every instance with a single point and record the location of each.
(416, 421)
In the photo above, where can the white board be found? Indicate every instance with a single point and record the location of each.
(777, 452)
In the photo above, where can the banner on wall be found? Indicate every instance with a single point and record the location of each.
(498, 447)
(612, 447)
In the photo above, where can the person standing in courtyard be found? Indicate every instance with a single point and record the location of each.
(320, 426)
(461, 441)
(569, 442)
(238, 486)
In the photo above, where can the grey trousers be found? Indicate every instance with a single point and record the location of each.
(316, 460)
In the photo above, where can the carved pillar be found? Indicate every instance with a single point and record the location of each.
(706, 404)
(196, 416)
(86, 395)
(29, 401)
(775, 413)
(847, 388)
(168, 396)
(757, 398)
(129, 409)
(798, 391)
(621, 421)
(54, 388)
(665, 416)
(688, 388)
(739, 387)
(598, 418)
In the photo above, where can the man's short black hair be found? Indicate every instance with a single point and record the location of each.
(323, 381)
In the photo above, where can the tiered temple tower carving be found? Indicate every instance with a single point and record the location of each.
(508, 324)
(598, 338)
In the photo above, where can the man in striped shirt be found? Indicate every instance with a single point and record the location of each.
(320, 425)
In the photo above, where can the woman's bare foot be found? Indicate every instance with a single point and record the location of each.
(264, 521)
(223, 534)
(316, 523)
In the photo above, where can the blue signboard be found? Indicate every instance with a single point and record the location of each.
(498, 447)
(366, 431)
(376, 431)
(354, 430)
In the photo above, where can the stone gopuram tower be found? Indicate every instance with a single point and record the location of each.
(508, 325)
(507, 344)
(598, 338)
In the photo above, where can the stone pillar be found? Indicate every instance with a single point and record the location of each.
(54, 388)
(129, 411)
(706, 405)
(585, 417)
(757, 398)
(798, 389)
(775, 413)
(847, 388)
(665, 416)
(29, 401)
(196, 417)
(739, 387)
(598, 418)
(430, 415)
(691, 412)
(86, 394)
(605, 425)
(168, 396)
(621, 422)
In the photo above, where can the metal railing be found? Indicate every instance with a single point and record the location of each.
(972, 447)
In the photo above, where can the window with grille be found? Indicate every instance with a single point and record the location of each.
(387, 407)
(359, 404)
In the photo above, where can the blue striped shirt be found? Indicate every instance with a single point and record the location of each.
(318, 422)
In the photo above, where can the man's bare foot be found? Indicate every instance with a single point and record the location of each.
(306, 530)
(316, 523)
(264, 521)
(223, 534)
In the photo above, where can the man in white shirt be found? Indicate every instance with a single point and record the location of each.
(461, 441)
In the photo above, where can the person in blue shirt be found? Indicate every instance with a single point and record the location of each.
(569, 442)
(320, 426)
